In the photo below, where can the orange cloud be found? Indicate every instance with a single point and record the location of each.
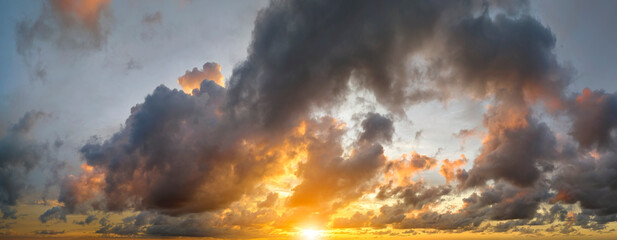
(192, 79)
(82, 12)
(448, 168)
(403, 169)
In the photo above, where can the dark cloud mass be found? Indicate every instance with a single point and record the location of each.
(19, 154)
(190, 161)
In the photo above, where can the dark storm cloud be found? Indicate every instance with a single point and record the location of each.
(210, 169)
(501, 53)
(19, 154)
(304, 53)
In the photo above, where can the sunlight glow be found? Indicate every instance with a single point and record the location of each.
(310, 234)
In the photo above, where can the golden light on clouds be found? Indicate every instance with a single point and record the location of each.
(192, 79)
(341, 120)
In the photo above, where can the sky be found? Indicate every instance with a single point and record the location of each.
(308, 119)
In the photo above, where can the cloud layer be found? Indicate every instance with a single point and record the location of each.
(259, 156)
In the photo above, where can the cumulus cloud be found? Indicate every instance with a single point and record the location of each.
(595, 119)
(192, 79)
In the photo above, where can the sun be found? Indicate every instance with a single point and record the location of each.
(310, 234)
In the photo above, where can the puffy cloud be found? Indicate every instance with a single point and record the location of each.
(192, 79)
(517, 148)
(589, 181)
(174, 155)
(595, 119)
(303, 55)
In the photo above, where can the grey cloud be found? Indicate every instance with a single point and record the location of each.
(19, 154)
(180, 154)
(201, 154)
(304, 53)
(152, 18)
(590, 182)
(89, 219)
(517, 148)
(48, 232)
(377, 128)
(594, 116)
(55, 213)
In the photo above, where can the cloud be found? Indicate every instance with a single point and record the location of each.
(55, 213)
(588, 181)
(270, 200)
(595, 119)
(89, 219)
(152, 18)
(136, 163)
(70, 24)
(192, 79)
(403, 169)
(327, 177)
(19, 154)
(48, 232)
(517, 148)
(377, 127)
(450, 169)
(207, 163)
